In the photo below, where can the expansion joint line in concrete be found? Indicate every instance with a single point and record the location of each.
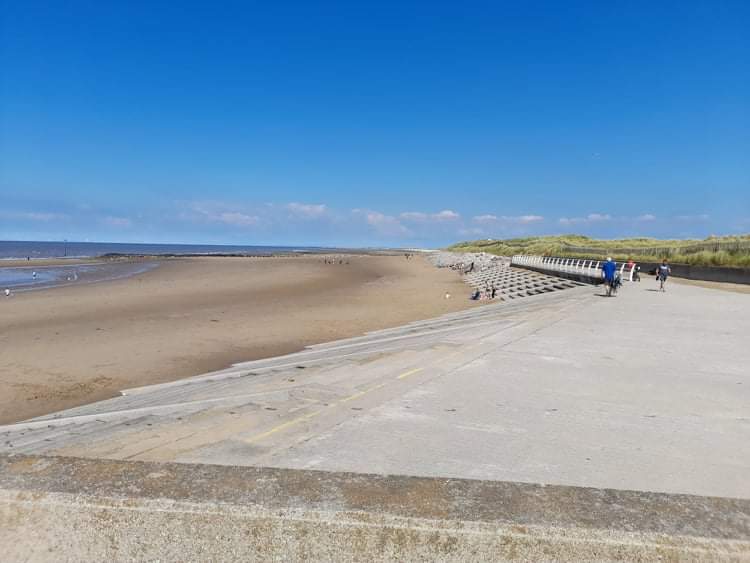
(306, 417)
(330, 406)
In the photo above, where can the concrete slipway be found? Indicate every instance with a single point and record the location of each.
(564, 425)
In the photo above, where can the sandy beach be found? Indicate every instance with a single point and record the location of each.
(67, 346)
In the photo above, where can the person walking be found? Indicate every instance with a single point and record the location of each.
(609, 268)
(662, 273)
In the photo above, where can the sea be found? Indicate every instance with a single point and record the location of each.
(32, 275)
(61, 249)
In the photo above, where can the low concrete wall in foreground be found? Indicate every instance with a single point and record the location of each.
(71, 509)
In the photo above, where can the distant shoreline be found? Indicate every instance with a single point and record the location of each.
(24, 276)
(40, 250)
(51, 273)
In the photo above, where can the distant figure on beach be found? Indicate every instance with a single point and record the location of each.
(476, 295)
(662, 273)
(7, 292)
(33, 275)
(494, 291)
(471, 268)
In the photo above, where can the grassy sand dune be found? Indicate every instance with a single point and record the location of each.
(713, 251)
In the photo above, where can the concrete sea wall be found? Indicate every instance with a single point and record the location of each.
(72, 509)
(704, 273)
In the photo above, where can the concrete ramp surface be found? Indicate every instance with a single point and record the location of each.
(565, 425)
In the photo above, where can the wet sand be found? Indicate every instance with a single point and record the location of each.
(32, 278)
(68, 346)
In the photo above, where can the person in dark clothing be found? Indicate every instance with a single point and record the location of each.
(662, 273)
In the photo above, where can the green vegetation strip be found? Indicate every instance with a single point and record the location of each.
(731, 251)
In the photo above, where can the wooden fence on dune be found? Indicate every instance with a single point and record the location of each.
(733, 247)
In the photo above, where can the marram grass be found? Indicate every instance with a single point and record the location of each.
(714, 251)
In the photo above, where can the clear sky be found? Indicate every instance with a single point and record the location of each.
(367, 123)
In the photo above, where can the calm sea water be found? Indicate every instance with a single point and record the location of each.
(26, 278)
(32, 249)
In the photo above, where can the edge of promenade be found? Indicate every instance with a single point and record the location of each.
(58, 508)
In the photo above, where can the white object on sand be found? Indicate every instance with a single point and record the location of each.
(7, 292)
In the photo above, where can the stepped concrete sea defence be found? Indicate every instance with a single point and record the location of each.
(485, 272)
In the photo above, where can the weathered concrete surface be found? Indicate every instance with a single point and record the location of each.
(68, 509)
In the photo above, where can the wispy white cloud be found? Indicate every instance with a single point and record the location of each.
(646, 217)
(471, 231)
(37, 216)
(595, 217)
(588, 219)
(248, 215)
(386, 225)
(508, 219)
(237, 219)
(528, 218)
(446, 215)
(420, 217)
(485, 218)
(413, 216)
(307, 210)
(118, 222)
(218, 212)
(693, 218)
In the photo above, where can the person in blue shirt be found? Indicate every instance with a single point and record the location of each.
(662, 273)
(610, 271)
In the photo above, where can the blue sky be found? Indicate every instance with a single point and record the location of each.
(358, 123)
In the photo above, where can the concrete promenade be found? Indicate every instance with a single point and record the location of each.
(644, 392)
